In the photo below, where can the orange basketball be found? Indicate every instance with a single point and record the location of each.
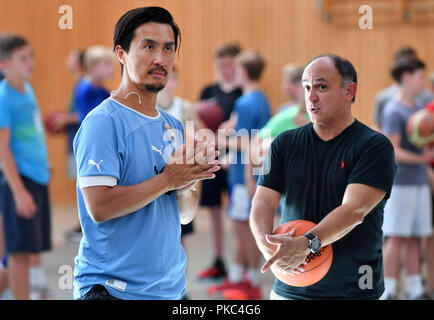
(420, 127)
(49, 120)
(210, 113)
(318, 264)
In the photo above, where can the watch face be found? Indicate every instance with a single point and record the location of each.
(316, 245)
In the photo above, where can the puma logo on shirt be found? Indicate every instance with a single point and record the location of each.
(97, 165)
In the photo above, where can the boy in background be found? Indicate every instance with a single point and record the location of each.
(89, 92)
(24, 175)
(407, 214)
(251, 112)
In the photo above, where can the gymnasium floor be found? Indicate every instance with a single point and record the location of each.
(199, 254)
(198, 245)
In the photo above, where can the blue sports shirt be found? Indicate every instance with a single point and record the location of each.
(139, 255)
(19, 112)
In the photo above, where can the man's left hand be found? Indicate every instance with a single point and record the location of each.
(290, 254)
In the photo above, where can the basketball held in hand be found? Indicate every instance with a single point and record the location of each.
(317, 265)
(50, 122)
(420, 127)
(210, 113)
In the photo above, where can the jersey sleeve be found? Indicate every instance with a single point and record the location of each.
(272, 172)
(376, 166)
(97, 152)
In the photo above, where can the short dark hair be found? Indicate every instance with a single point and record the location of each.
(404, 65)
(9, 43)
(227, 50)
(344, 67)
(132, 19)
(405, 52)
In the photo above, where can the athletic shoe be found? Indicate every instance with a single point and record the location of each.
(213, 273)
(247, 293)
(216, 291)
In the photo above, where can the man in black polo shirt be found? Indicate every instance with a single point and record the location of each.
(335, 172)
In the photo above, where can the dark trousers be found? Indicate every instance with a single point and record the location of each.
(98, 292)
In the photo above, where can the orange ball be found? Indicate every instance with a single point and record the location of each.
(420, 127)
(210, 113)
(318, 264)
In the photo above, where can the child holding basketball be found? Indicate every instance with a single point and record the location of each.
(24, 175)
(251, 112)
(407, 215)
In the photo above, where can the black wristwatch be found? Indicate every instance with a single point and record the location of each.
(314, 242)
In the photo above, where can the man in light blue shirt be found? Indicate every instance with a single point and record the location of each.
(136, 176)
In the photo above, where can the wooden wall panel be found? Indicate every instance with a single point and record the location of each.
(283, 30)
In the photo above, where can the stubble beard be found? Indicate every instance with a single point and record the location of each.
(154, 88)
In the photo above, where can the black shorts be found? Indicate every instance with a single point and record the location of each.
(25, 235)
(187, 228)
(211, 192)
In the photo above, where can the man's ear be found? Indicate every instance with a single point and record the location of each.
(121, 55)
(3, 66)
(350, 91)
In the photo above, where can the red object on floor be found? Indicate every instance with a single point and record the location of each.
(249, 292)
(217, 290)
(211, 273)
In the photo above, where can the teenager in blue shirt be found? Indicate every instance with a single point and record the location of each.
(251, 112)
(24, 171)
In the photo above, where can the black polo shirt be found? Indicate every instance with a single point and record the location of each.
(312, 175)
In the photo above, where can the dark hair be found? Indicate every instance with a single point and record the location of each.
(344, 67)
(132, 19)
(9, 43)
(405, 52)
(404, 65)
(227, 50)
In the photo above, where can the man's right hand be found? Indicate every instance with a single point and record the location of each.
(25, 205)
(187, 166)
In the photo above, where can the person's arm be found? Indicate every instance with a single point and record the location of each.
(64, 120)
(405, 156)
(358, 201)
(105, 203)
(430, 173)
(261, 219)
(25, 204)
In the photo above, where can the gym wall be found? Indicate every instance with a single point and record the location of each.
(282, 30)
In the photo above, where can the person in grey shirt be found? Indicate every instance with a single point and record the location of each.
(391, 91)
(407, 214)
